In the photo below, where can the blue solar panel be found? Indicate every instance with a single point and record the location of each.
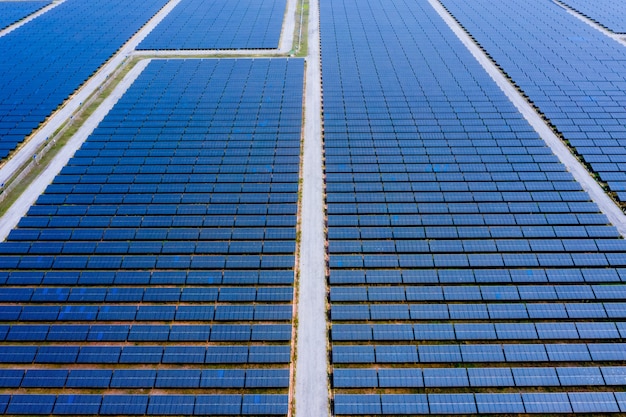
(613, 375)
(31, 404)
(490, 377)
(530, 377)
(445, 377)
(88, 378)
(593, 402)
(499, 403)
(44, 378)
(77, 404)
(350, 378)
(171, 404)
(546, 403)
(404, 404)
(133, 378)
(124, 404)
(452, 403)
(353, 354)
(577, 376)
(354, 404)
(222, 378)
(11, 378)
(270, 404)
(218, 405)
(568, 352)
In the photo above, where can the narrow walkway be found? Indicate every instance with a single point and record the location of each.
(289, 25)
(38, 186)
(28, 148)
(619, 37)
(311, 363)
(578, 171)
(33, 16)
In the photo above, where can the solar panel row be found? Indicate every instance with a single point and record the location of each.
(101, 353)
(148, 332)
(113, 262)
(125, 278)
(103, 312)
(496, 311)
(468, 292)
(144, 378)
(478, 331)
(85, 404)
(487, 403)
(479, 353)
(494, 276)
(486, 260)
(477, 377)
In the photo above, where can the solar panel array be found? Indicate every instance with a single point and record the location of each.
(52, 56)
(14, 11)
(162, 255)
(219, 24)
(468, 271)
(607, 13)
(573, 73)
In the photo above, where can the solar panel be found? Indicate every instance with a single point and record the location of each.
(525, 353)
(526, 377)
(499, 403)
(264, 404)
(352, 354)
(217, 404)
(346, 404)
(400, 377)
(354, 378)
(578, 376)
(452, 403)
(593, 402)
(133, 378)
(267, 378)
(404, 404)
(171, 404)
(31, 404)
(490, 377)
(70, 404)
(124, 404)
(44, 378)
(88, 378)
(613, 375)
(396, 354)
(224, 378)
(445, 377)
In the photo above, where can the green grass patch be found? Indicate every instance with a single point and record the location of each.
(301, 39)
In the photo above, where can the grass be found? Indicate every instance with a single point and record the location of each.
(301, 46)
